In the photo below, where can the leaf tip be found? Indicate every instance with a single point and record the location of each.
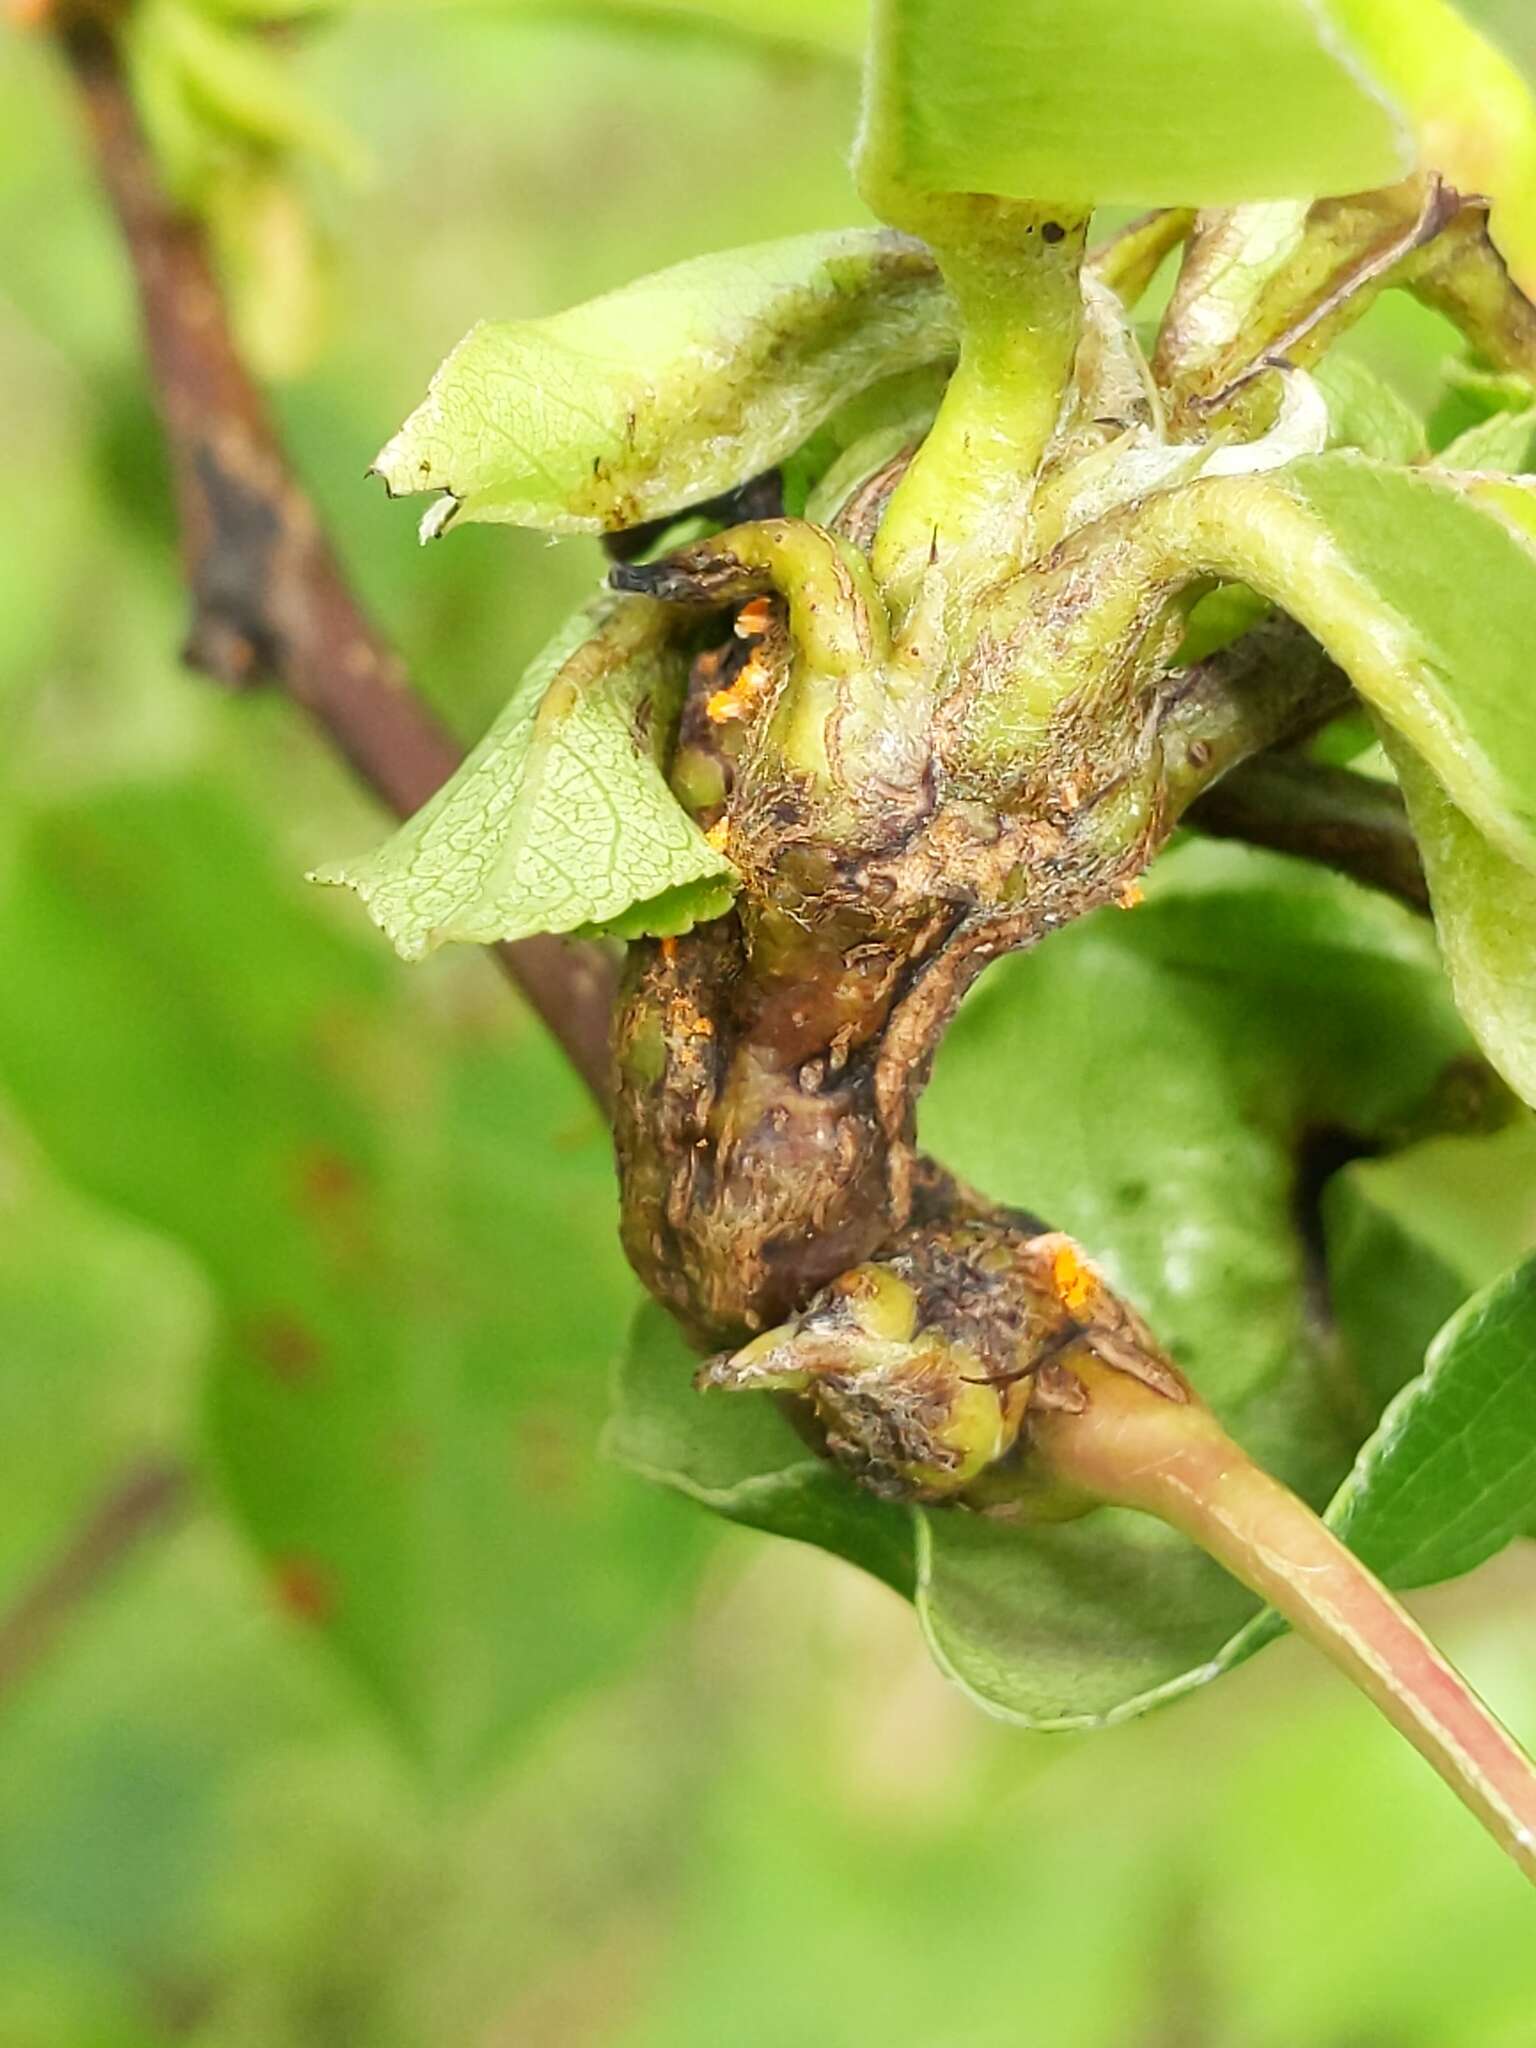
(408, 940)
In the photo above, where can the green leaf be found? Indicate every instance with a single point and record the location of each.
(1365, 412)
(1471, 109)
(1471, 394)
(1505, 441)
(414, 1328)
(670, 390)
(1450, 1474)
(1160, 1072)
(1462, 589)
(828, 31)
(1485, 914)
(103, 1325)
(824, 25)
(1146, 1082)
(1392, 1280)
(561, 819)
(1095, 100)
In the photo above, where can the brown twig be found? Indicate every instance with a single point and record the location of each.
(270, 601)
(145, 1500)
(1333, 815)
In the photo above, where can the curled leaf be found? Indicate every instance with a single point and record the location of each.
(1485, 915)
(668, 391)
(1141, 461)
(561, 819)
(1418, 588)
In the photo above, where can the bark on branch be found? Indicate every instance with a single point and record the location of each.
(270, 601)
(1332, 815)
(144, 1501)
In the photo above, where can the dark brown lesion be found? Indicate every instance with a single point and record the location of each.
(770, 1063)
(770, 1067)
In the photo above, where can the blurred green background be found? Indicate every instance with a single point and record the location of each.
(490, 1744)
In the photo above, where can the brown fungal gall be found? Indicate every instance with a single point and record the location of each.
(922, 1368)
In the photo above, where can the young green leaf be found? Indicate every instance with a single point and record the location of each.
(235, 94)
(670, 390)
(561, 819)
(1473, 393)
(1365, 412)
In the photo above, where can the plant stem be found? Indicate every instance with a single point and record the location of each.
(1462, 275)
(146, 1499)
(1130, 260)
(1013, 269)
(1134, 1447)
(271, 602)
(1345, 820)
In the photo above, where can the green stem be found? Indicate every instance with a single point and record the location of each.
(1463, 276)
(1130, 260)
(1012, 268)
(836, 618)
(1098, 615)
(1133, 1447)
(1254, 530)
